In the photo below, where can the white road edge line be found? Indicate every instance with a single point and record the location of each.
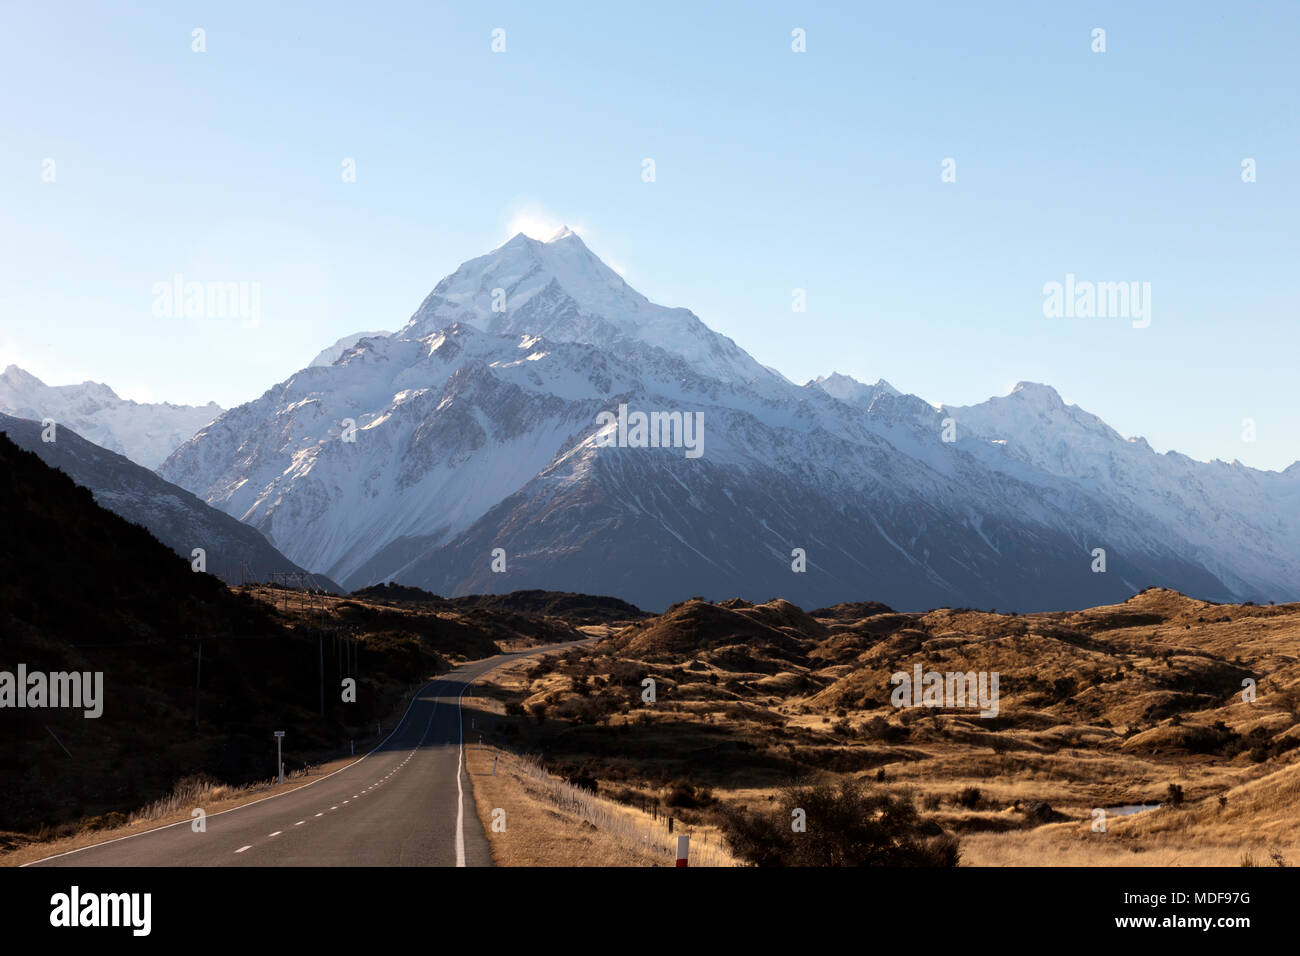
(460, 791)
(460, 760)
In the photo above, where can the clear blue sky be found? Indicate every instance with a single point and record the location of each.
(775, 170)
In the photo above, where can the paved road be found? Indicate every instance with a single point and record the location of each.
(407, 803)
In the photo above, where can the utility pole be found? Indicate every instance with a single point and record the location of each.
(320, 650)
(198, 684)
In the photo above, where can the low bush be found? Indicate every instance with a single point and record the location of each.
(848, 825)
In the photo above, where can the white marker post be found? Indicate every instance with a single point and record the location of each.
(683, 849)
(279, 736)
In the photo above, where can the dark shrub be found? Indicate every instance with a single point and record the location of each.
(848, 825)
(686, 796)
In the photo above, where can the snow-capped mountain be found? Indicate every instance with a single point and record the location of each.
(146, 433)
(174, 516)
(498, 418)
(1242, 524)
(560, 289)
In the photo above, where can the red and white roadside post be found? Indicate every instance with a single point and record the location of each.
(683, 849)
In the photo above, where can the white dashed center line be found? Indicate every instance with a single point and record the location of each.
(276, 833)
(243, 848)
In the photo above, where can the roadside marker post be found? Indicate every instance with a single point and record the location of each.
(279, 761)
(494, 766)
(683, 849)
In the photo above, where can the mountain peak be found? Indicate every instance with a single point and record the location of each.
(846, 388)
(835, 378)
(16, 377)
(518, 240)
(1038, 394)
(522, 239)
(560, 289)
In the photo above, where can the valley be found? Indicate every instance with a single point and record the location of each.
(485, 451)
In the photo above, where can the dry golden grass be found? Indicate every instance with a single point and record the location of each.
(1257, 823)
(1099, 708)
(550, 823)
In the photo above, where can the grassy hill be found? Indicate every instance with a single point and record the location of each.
(1139, 703)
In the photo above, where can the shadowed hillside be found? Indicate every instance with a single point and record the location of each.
(232, 549)
(83, 589)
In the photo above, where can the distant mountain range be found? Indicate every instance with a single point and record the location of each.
(145, 433)
(499, 428)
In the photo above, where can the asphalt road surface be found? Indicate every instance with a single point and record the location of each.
(407, 803)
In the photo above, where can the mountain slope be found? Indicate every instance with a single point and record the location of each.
(482, 425)
(172, 515)
(654, 527)
(83, 589)
(1241, 524)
